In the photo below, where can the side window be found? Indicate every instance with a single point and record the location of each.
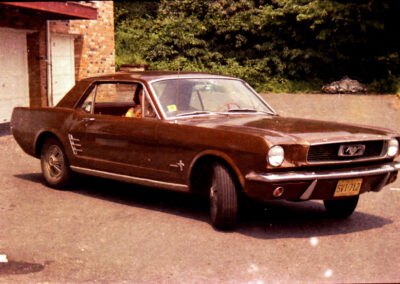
(119, 99)
(115, 93)
(87, 105)
(147, 107)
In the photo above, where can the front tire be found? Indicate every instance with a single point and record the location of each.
(341, 208)
(55, 165)
(223, 198)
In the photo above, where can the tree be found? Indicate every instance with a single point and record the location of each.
(272, 44)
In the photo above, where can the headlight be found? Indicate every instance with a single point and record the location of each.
(276, 155)
(393, 147)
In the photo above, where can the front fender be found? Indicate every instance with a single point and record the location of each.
(221, 155)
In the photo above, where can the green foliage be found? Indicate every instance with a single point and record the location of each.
(275, 45)
(388, 85)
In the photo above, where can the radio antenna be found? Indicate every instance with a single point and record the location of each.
(177, 89)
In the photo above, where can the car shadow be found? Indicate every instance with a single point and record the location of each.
(271, 220)
(284, 219)
(5, 129)
(15, 268)
(35, 177)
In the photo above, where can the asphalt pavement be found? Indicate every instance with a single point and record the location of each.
(103, 231)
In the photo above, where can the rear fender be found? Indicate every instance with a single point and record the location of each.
(43, 135)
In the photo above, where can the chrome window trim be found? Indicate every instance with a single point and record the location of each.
(131, 179)
(157, 101)
(259, 96)
(192, 76)
(151, 103)
(86, 94)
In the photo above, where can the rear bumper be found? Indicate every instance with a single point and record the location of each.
(305, 185)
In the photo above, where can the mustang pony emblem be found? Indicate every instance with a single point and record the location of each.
(179, 165)
(351, 150)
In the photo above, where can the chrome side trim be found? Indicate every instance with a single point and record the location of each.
(131, 179)
(338, 162)
(76, 147)
(321, 175)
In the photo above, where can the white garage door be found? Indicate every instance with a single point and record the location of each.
(63, 67)
(14, 86)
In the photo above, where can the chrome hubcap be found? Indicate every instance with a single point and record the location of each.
(55, 161)
(212, 192)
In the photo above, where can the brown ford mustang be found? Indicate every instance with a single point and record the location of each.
(204, 133)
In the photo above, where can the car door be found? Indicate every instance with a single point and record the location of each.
(107, 141)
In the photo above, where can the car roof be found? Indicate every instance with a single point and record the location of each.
(149, 76)
(71, 98)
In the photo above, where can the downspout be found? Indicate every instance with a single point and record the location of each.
(48, 67)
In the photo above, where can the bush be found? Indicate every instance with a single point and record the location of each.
(389, 85)
(277, 46)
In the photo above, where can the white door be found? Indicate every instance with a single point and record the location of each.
(63, 67)
(14, 84)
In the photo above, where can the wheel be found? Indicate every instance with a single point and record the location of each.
(223, 198)
(55, 165)
(341, 208)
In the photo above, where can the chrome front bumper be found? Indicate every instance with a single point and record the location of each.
(320, 175)
(314, 176)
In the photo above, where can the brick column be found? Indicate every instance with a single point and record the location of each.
(37, 66)
(94, 41)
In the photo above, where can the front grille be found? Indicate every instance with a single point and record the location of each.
(330, 152)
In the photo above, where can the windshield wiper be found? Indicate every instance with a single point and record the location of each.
(242, 110)
(194, 113)
(248, 110)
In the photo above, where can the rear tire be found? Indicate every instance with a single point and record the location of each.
(223, 198)
(55, 165)
(341, 208)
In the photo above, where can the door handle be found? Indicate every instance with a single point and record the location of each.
(87, 119)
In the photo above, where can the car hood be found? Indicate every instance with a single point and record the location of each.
(277, 129)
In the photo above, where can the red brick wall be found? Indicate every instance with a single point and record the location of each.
(94, 40)
(93, 43)
(37, 67)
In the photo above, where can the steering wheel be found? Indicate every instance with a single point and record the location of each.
(227, 105)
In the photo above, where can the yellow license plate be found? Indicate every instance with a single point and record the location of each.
(348, 187)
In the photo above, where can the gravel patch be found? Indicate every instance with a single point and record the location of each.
(376, 110)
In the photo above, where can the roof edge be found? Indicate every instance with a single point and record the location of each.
(65, 9)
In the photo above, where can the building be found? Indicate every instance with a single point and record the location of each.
(45, 47)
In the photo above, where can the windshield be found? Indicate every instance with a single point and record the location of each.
(184, 97)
